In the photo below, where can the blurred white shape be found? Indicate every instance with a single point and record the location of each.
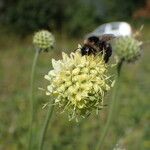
(118, 147)
(116, 28)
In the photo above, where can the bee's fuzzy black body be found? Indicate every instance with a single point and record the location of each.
(95, 45)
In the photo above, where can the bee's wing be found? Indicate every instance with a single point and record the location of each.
(106, 37)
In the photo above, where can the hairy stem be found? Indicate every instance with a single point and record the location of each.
(32, 98)
(112, 106)
(45, 126)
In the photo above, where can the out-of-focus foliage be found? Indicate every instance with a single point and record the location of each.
(74, 16)
(124, 9)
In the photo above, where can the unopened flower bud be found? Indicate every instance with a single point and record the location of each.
(127, 48)
(43, 40)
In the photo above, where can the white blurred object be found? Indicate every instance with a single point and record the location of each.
(116, 28)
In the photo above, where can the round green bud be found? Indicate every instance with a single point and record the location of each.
(127, 48)
(43, 40)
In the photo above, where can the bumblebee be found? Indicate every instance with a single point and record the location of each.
(95, 45)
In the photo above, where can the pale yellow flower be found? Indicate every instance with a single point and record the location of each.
(78, 83)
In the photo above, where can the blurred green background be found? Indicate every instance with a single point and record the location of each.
(69, 21)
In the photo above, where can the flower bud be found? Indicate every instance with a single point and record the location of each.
(76, 71)
(43, 40)
(127, 48)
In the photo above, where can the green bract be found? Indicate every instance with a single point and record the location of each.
(127, 48)
(78, 83)
(43, 40)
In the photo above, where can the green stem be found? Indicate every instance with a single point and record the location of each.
(32, 98)
(47, 121)
(119, 66)
(112, 106)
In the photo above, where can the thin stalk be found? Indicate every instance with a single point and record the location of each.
(119, 67)
(32, 98)
(112, 106)
(45, 126)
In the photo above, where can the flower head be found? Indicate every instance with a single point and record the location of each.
(43, 40)
(127, 48)
(78, 83)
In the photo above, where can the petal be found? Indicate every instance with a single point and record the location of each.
(47, 77)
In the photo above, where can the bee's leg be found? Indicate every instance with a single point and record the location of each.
(75, 49)
(93, 51)
(108, 52)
